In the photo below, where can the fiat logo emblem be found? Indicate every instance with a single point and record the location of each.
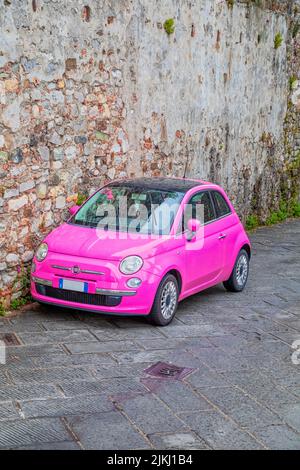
(75, 269)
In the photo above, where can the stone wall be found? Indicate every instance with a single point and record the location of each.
(95, 90)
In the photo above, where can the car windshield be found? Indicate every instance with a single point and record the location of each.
(130, 209)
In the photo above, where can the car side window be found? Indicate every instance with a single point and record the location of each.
(221, 205)
(199, 207)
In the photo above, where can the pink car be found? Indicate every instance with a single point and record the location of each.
(139, 246)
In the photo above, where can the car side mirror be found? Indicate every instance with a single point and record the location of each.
(74, 209)
(193, 226)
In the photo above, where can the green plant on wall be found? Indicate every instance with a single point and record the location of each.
(289, 203)
(252, 222)
(293, 81)
(284, 212)
(24, 280)
(295, 164)
(169, 26)
(81, 198)
(278, 40)
(2, 309)
(296, 209)
(20, 302)
(296, 30)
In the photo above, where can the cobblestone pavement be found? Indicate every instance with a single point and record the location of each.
(76, 380)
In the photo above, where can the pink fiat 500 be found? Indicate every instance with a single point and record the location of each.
(139, 246)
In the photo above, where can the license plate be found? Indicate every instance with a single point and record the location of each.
(73, 285)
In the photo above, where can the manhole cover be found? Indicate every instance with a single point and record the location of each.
(9, 339)
(168, 371)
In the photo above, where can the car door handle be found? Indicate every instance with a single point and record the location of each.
(222, 235)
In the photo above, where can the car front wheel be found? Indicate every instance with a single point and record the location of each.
(165, 302)
(239, 275)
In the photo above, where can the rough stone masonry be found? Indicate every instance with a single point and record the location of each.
(97, 89)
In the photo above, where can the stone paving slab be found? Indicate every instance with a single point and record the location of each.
(30, 391)
(176, 395)
(72, 360)
(32, 432)
(278, 437)
(53, 337)
(107, 387)
(77, 380)
(63, 445)
(119, 334)
(36, 350)
(95, 346)
(178, 441)
(290, 414)
(9, 327)
(243, 409)
(8, 411)
(120, 370)
(174, 343)
(219, 431)
(107, 431)
(262, 387)
(85, 404)
(148, 413)
(50, 375)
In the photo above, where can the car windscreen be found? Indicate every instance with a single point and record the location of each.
(130, 209)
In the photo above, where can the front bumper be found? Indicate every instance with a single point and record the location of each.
(105, 292)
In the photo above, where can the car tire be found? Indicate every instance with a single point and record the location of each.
(240, 272)
(165, 302)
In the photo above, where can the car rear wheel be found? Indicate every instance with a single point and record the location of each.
(165, 302)
(239, 276)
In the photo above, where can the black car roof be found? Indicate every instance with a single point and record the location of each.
(160, 183)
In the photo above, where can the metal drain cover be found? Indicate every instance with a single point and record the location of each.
(164, 370)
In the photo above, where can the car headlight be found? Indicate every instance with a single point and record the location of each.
(131, 264)
(41, 252)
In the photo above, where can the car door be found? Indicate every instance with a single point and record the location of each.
(203, 258)
(227, 225)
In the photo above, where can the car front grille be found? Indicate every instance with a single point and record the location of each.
(78, 297)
